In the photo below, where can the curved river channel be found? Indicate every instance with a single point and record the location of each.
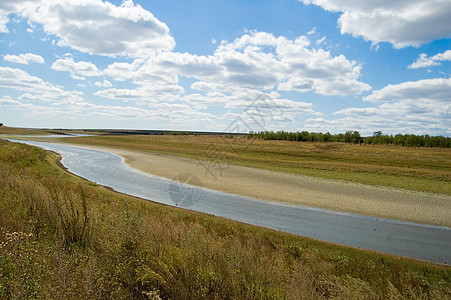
(423, 242)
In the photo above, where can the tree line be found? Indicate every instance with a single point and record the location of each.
(408, 140)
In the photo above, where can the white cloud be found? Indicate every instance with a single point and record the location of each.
(122, 94)
(8, 101)
(236, 74)
(10, 7)
(313, 31)
(41, 112)
(104, 83)
(122, 71)
(231, 77)
(147, 95)
(420, 107)
(171, 114)
(424, 61)
(36, 89)
(24, 58)
(97, 27)
(211, 87)
(261, 61)
(243, 98)
(320, 41)
(316, 69)
(402, 23)
(438, 90)
(155, 80)
(77, 69)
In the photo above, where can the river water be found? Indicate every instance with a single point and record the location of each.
(431, 243)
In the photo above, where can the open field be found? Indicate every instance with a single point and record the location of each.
(417, 169)
(63, 237)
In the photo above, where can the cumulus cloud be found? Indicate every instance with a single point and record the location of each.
(74, 108)
(258, 60)
(231, 77)
(299, 67)
(77, 69)
(236, 73)
(104, 83)
(424, 61)
(402, 23)
(147, 95)
(24, 58)
(421, 107)
(36, 89)
(437, 90)
(122, 94)
(8, 101)
(10, 7)
(38, 111)
(97, 27)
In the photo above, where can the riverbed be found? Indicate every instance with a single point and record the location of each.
(431, 243)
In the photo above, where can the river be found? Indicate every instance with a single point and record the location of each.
(430, 243)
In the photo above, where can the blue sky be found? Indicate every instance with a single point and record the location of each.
(322, 65)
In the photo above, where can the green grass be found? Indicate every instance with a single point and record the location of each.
(419, 169)
(65, 238)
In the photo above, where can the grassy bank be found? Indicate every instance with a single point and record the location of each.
(419, 169)
(65, 238)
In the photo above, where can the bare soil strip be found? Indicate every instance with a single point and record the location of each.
(379, 202)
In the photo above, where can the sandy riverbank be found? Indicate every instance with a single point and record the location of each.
(302, 190)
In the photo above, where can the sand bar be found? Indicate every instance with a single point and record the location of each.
(267, 185)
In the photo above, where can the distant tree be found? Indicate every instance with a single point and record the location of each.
(352, 137)
(409, 140)
(377, 133)
(305, 136)
(1, 124)
(327, 137)
(348, 136)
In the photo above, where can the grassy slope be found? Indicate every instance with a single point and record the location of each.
(421, 169)
(65, 238)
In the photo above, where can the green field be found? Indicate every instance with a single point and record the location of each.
(65, 238)
(419, 169)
